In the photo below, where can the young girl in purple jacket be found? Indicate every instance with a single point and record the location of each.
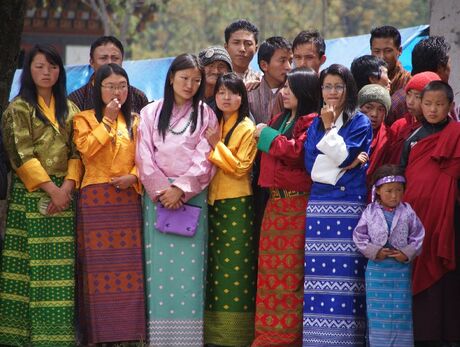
(390, 235)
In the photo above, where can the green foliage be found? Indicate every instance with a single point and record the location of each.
(190, 25)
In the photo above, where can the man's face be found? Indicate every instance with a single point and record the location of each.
(306, 55)
(214, 70)
(384, 80)
(276, 70)
(105, 54)
(376, 112)
(241, 47)
(385, 49)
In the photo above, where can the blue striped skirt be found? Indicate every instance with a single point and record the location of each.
(389, 303)
(334, 300)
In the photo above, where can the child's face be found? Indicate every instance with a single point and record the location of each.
(435, 106)
(390, 194)
(414, 103)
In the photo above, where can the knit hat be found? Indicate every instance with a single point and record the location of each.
(214, 53)
(374, 92)
(420, 80)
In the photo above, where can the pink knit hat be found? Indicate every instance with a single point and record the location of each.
(420, 80)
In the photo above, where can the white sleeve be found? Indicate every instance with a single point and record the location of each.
(333, 146)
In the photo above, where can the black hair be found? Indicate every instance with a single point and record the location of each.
(311, 36)
(430, 54)
(269, 47)
(386, 31)
(241, 24)
(351, 96)
(101, 74)
(181, 62)
(365, 67)
(439, 86)
(104, 40)
(304, 84)
(28, 89)
(387, 170)
(235, 84)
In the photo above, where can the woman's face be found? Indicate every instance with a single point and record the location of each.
(290, 101)
(44, 74)
(185, 84)
(114, 87)
(334, 91)
(227, 101)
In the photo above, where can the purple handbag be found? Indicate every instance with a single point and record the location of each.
(182, 221)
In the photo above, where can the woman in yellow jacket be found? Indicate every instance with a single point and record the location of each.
(110, 273)
(230, 291)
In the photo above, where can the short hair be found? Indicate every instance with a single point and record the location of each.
(236, 85)
(430, 54)
(105, 71)
(269, 46)
(310, 36)
(28, 89)
(365, 67)
(104, 40)
(387, 170)
(241, 24)
(439, 86)
(351, 97)
(386, 31)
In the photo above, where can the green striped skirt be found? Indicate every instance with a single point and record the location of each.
(231, 280)
(37, 279)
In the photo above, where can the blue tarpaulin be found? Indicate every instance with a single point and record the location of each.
(149, 75)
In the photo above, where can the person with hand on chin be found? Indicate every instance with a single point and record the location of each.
(109, 226)
(172, 158)
(37, 264)
(337, 145)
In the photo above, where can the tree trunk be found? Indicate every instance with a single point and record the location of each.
(11, 26)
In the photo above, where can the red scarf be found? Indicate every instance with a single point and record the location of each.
(432, 174)
(400, 131)
(378, 154)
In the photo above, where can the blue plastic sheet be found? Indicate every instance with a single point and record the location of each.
(149, 75)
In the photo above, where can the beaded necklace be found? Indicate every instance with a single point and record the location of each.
(180, 132)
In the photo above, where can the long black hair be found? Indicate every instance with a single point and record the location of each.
(102, 73)
(235, 84)
(28, 90)
(304, 84)
(351, 92)
(181, 62)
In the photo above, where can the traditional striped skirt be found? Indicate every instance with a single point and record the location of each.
(334, 298)
(231, 281)
(175, 268)
(280, 273)
(37, 283)
(110, 272)
(389, 303)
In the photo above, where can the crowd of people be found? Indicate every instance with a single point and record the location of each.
(292, 207)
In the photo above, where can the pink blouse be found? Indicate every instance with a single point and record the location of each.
(181, 156)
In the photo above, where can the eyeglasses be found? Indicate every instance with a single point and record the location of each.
(112, 87)
(339, 88)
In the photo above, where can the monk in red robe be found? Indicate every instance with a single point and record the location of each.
(431, 156)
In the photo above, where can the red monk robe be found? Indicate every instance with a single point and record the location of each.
(379, 152)
(432, 173)
(400, 131)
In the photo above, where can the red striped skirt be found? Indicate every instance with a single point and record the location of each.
(280, 273)
(110, 265)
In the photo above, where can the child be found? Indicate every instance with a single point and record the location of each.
(432, 159)
(390, 235)
(411, 121)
